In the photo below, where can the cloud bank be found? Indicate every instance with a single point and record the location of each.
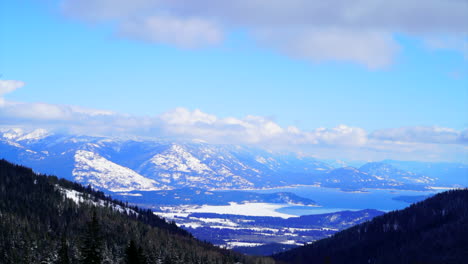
(423, 143)
(360, 31)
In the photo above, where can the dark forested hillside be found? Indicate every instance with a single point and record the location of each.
(429, 232)
(38, 224)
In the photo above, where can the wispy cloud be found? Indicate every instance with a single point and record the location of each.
(360, 31)
(8, 86)
(181, 123)
(184, 33)
(436, 135)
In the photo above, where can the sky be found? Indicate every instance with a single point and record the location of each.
(364, 79)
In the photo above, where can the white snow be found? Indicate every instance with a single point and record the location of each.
(291, 242)
(261, 159)
(12, 133)
(248, 209)
(223, 222)
(78, 198)
(178, 159)
(91, 168)
(18, 134)
(34, 135)
(264, 229)
(444, 188)
(233, 244)
(130, 194)
(181, 166)
(334, 217)
(294, 230)
(193, 225)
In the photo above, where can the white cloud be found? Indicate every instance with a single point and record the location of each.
(374, 49)
(182, 116)
(181, 123)
(197, 124)
(8, 86)
(457, 42)
(342, 135)
(184, 33)
(44, 111)
(360, 31)
(436, 135)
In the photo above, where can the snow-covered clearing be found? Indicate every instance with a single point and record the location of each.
(234, 244)
(248, 209)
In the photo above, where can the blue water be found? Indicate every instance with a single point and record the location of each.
(333, 200)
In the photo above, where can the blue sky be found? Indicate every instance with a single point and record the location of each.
(67, 57)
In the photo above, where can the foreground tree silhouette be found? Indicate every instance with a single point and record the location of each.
(91, 250)
(134, 255)
(63, 257)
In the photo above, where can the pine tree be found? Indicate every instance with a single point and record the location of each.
(91, 250)
(142, 256)
(132, 255)
(63, 257)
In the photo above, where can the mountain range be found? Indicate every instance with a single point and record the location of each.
(125, 165)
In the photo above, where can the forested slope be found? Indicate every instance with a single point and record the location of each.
(39, 224)
(429, 232)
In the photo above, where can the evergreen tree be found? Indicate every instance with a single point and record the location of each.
(91, 250)
(142, 256)
(132, 256)
(63, 257)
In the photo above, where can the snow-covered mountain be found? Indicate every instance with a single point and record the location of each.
(123, 165)
(388, 171)
(126, 165)
(350, 178)
(444, 173)
(195, 166)
(96, 170)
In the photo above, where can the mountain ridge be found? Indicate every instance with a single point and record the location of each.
(163, 164)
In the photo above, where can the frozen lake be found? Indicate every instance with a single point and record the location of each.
(332, 200)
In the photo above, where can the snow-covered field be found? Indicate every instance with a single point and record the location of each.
(234, 244)
(248, 209)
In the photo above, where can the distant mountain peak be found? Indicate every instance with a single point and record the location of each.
(155, 164)
(19, 134)
(178, 159)
(94, 169)
(388, 171)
